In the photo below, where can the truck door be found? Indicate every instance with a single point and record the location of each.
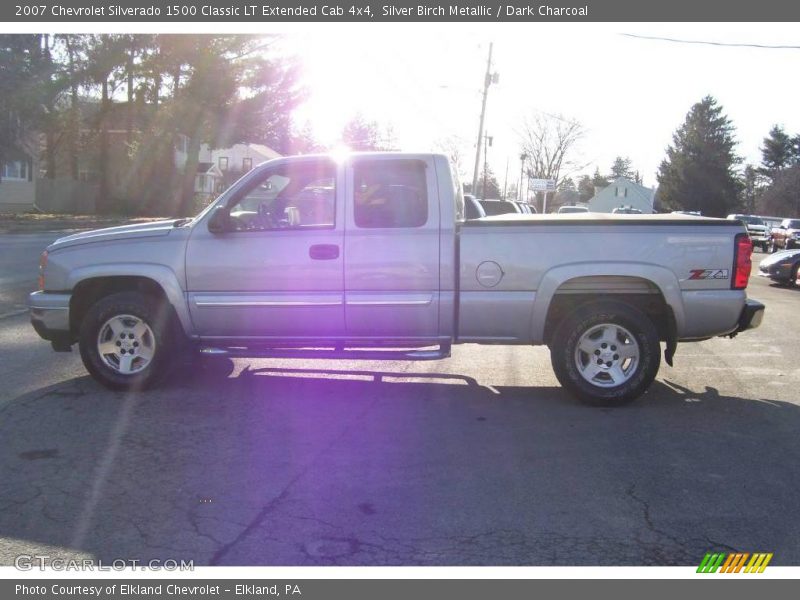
(392, 249)
(277, 269)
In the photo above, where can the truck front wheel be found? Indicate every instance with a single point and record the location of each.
(606, 353)
(123, 341)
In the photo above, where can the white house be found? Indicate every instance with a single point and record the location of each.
(220, 167)
(623, 192)
(18, 175)
(239, 158)
(208, 180)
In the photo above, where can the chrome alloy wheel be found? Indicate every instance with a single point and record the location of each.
(607, 355)
(126, 344)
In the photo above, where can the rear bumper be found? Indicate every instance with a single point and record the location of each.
(751, 317)
(50, 317)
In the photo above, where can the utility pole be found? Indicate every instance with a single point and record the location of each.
(522, 158)
(487, 141)
(505, 180)
(487, 81)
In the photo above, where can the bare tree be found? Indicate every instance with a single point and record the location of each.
(453, 147)
(549, 142)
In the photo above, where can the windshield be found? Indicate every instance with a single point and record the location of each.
(793, 224)
(750, 220)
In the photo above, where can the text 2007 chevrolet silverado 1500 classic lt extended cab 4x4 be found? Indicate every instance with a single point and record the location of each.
(314, 257)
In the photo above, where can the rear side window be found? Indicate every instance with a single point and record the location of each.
(390, 194)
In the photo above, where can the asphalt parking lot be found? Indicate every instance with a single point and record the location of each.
(480, 459)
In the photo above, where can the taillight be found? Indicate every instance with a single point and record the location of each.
(742, 250)
(42, 265)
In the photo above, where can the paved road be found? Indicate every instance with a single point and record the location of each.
(480, 459)
(19, 261)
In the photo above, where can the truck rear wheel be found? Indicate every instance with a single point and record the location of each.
(124, 341)
(606, 353)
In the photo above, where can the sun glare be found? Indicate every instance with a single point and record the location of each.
(341, 83)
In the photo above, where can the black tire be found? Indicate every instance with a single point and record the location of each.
(156, 315)
(564, 346)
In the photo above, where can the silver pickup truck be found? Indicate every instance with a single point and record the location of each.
(371, 257)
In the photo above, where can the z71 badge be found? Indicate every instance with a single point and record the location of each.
(708, 274)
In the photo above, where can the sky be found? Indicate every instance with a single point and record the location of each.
(629, 94)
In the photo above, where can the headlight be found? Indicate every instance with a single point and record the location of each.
(42, 265)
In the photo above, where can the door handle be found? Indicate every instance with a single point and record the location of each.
(324, 251)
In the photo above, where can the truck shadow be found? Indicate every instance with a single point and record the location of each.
(278, 466)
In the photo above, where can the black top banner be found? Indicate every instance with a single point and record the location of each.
(213, 11)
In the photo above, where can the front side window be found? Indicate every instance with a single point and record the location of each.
(223, 163)
(289, 197)
(390, 193)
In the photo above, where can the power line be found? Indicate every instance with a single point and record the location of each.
(708, 43)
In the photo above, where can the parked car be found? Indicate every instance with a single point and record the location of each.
(785, 236)
(562, 210)
(473, 208)
(500, 207)
(771, 222)
(626, 210)
(524, 208)
(395, 272)
(756, 228)
(781, 267)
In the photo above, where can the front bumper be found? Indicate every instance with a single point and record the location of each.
(777, 271)
(50, 318)
(751, 317)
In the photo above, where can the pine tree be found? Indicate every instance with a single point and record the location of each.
(585, 188)
(751, 189)
(776, 153)
(598, 180)
(698, 172)
(622, 168)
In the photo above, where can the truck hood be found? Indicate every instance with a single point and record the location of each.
(113, 234)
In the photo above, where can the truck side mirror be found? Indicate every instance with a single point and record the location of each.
(220, 220)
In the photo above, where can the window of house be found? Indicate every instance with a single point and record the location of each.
(247, 164)
(223, 163)
(201, 183)
(16, 169)
(390, 193)
(622, 192)
(288, 197)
